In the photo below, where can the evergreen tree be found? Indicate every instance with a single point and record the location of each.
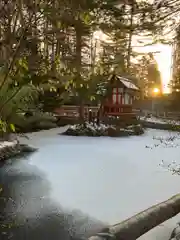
(175, 84)
(128, 20)
(147, 74)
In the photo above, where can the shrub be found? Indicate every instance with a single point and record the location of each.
(38, 121)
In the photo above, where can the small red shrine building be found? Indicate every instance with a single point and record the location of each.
(119, 97)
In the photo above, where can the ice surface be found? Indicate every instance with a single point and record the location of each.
(111, 179)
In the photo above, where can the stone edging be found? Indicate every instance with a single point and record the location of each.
(9, 149)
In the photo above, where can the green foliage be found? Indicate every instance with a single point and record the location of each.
(12, 127)
(17, 94)
(5, 127)
(37, 121)
(16, 99)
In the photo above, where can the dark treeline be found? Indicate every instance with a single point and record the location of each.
(53, 50)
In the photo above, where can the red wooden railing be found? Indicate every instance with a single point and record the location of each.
(73, 111)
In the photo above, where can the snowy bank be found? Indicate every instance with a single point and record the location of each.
(10, 149)
(162, 124)
(160, 120)
(94, 130)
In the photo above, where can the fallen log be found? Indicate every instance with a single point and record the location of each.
(142, 222)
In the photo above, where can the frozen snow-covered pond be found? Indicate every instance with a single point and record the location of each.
(110, 179)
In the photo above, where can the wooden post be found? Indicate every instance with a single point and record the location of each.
(90, 117)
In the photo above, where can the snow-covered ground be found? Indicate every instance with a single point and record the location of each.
(110, 179)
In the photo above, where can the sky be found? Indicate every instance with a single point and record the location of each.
(164, 60)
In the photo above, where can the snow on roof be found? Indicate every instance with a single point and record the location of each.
(127, 83)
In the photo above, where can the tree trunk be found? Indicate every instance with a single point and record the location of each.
(78, 66)
(129, 50)
(142, 222)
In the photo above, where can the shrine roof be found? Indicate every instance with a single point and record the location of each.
(127, 83)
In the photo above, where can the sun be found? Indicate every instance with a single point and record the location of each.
(156, 90)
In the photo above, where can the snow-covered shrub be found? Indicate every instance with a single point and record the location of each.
(90, 129)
